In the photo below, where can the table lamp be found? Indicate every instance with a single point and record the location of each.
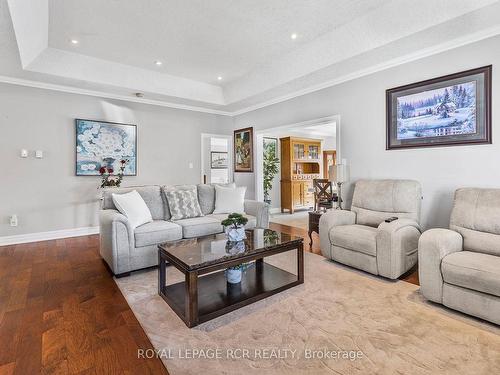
(338, 174)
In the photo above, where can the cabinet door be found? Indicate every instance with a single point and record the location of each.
(297, 194)
(308, 194)
(299, 151)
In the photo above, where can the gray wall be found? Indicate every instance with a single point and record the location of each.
(45, 193)
(361, 105)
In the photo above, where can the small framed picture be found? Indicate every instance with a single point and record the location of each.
(444, 111)
(243, 150)
(218, 160)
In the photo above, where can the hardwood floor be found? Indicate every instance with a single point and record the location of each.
(61, 311)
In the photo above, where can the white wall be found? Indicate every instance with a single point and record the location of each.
(361, 105)
(329, 143)
(45, 193)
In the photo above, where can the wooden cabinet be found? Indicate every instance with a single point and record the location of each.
(300, 164)
(297, 191)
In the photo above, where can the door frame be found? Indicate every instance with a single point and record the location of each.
(229, 154)
(325, 154)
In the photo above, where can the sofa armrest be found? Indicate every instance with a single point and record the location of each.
(329, 220)
(433, 246)
(397, 244)
(116, 240)
(398, 224)
(260, 210)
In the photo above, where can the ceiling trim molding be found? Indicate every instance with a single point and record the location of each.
(106, 95)
(30, 20)
(443, 47)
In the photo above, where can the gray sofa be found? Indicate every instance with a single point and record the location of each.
(460, 267)
(126, 250)
(362, 239)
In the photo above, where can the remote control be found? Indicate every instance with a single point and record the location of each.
(391, 219)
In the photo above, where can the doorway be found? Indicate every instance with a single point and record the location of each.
(325, 129)
(216, 159)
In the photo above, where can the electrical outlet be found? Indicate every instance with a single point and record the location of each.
(13, 221)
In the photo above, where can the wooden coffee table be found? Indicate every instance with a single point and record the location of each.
(205, 293)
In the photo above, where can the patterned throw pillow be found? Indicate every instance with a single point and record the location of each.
(183, 203)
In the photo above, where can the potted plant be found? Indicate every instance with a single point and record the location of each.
(234, 274)
(234, 227)
(271, 169)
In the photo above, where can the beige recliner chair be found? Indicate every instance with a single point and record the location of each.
(361, 238)
(460, 267)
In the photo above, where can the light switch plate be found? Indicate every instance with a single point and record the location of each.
(13, 221)
(38, 154)
(24, 153)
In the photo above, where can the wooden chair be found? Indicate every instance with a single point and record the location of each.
(323, 194)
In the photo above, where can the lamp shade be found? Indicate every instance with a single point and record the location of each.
(339, 174)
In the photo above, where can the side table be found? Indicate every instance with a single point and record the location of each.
(314, 223)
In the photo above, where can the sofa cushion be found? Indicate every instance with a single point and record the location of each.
(471, 270)
(355, 237)
(229, 200)
(206, 196)
(252, 220)
(374, 201)
(133, 207)
(476, 216)
(157, 232)
(199, 226)
(183, 203)
(150, 193)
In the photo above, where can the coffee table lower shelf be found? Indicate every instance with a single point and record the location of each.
(216, 297)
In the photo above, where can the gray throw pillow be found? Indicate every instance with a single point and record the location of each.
(183, 203)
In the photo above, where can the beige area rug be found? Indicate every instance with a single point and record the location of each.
(338, 309)
(299, 219)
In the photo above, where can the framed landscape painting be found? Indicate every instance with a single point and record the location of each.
(445, 111)
(218, 160)
(243, 150)
(105, 144)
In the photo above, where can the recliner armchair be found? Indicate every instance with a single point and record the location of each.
(362, 239)
(460, 267)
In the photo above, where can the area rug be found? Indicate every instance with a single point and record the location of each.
(340, 321)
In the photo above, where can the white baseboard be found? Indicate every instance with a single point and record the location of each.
(274, 210)
(45, 236)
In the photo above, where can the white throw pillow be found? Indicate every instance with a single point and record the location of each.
(229, 200)
(133, 207)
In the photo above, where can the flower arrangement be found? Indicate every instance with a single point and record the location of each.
(107, 177)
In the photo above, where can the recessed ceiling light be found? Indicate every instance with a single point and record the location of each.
(74, 41)
(157, 62)
(219, 78)
(293, 36)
